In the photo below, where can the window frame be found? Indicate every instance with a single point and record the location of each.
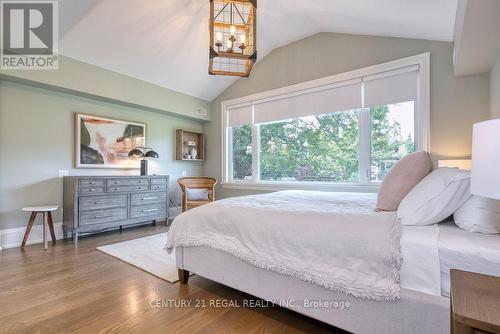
(422, 128)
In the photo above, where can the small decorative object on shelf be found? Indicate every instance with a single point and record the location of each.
(194, 153)
(144, 153)
(190, 145)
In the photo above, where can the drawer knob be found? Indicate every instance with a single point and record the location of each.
(116, 188)
(102, 217)
(149, 210)
(148, 198)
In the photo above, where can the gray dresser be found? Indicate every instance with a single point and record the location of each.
(98, 203)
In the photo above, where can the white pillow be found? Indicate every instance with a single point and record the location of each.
(436, 197)
(479, 214)
(197, 194)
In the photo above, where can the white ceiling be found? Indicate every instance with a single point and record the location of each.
(71, 11)
(165, 41)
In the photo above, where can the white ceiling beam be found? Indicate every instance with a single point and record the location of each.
(477, 36)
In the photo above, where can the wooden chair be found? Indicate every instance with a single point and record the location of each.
(195, 182)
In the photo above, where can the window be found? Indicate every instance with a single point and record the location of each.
(392, 136)
(346, 130)
(242, 152)
(321, 148)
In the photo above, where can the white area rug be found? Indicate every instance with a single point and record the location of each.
(147, 254)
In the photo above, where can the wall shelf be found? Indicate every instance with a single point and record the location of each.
(186, 141)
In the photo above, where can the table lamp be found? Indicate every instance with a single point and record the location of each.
(144, 153)
(485, 175)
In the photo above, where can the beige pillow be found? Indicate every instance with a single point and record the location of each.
(402, 177)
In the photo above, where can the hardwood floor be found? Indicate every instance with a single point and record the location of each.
(79, 289)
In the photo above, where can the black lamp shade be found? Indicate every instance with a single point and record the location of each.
(152, 154)
(136, 153)
(139, 153)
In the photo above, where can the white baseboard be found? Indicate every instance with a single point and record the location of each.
(13, 237)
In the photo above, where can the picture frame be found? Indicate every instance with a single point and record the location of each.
(103, 142)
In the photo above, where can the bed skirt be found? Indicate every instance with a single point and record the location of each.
(414, 313)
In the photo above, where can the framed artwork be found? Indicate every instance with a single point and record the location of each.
(105, 143)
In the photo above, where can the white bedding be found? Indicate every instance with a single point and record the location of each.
(335, 240)
(428, 252)
(459, 249)
(420, 268)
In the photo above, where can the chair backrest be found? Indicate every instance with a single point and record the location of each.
(196, 182)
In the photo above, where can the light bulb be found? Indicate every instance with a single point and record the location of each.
(232, 30)
(218, 36)
(243, 39)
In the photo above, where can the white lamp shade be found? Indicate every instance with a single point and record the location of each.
(485, 175)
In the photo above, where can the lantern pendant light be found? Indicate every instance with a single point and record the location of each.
(232, 37)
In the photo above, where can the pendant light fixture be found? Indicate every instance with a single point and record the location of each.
(232, 37)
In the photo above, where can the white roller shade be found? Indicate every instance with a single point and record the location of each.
(239, 116)
(391, 87)
(340, 97)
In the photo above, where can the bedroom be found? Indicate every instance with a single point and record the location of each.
(333, 109)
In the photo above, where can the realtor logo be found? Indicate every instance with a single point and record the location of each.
(29, 35)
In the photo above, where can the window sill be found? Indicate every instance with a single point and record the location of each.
(327, 186)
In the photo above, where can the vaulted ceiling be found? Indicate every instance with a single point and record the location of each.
(477, 45)
(165, 41)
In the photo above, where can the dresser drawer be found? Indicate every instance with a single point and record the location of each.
(91, 190)
(149, 210)
(158, 181)
(102, 216)
(118, 189)
(126, 182)
(158, 187)
(102, 202)
(91, 183)
(148, 198)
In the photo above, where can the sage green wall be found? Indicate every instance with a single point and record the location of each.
(495, 90)
(456, 102)
(76, 77)
(37, 139)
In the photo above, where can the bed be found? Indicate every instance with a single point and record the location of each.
(427, 253)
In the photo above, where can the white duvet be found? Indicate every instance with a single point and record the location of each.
(334, 240)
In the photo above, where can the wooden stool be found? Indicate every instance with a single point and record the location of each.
(46, 212)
